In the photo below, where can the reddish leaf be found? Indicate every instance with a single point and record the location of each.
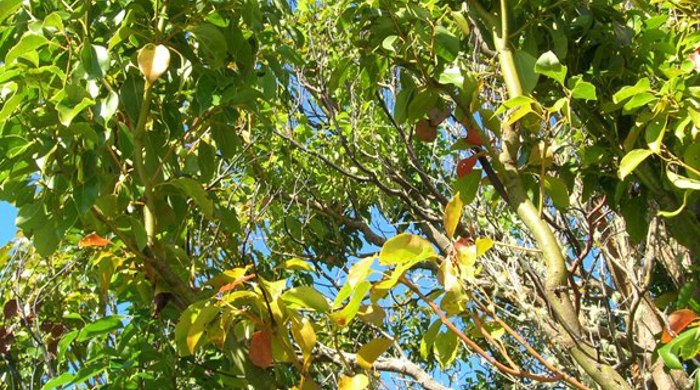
(466, 166)
(261, 349)
(235, 283)
(425, 131)
(93, 239)
(677, 322)
(10, 308)
(473, 138)
(6, 340)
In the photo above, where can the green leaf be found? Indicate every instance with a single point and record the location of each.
(388, 43)
(107, 107)
(100, 327)
(452, 214)
(46, 238)
(639, 100)
(343, 317)
(405, 248)
(428, 340)
(452, 76)
(675, 213)
(57, 381)
(11, 104)
(525, 64)
(584, 90)
(461, 22)
(65, 343)
(67, 110)
(88, 372)
(305, 297)
(199, 324)
(371, 351)
(8, 7)
(446, 347)
(683, 182)
(654, 133)
(403, 99)
(212, 44)
(643, 85)
(468, 186)
(95, 60)
(421, 103)
(632, 160)
(446, 44)
(548, 64)
(556, 189)
(28, 43)
(193, 189)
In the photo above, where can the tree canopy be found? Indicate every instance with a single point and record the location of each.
(350, 194)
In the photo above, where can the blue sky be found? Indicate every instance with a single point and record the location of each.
(7, 222)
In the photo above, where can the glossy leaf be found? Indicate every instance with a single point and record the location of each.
(548, 64)
(632, 160)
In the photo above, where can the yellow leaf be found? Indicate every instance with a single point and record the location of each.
(304, 334)
(405, 248)
(536, 156)
(467, 259)
(371, 351)
(195, 332)
(357, 382)
(360, 271)
(447, 276)
(483, 245)
(296, 264)
(453, 212)
(226, 277)
(153, 61)
(373, 314)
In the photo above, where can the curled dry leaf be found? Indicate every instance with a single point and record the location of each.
(93, 239)
(153, 61)
(425, 131)
(677, 322)
(261, 349)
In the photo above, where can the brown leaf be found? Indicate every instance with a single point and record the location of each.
(10, 308)
(6, 340)
(93, 239)
(677, 322)
(261, 349)
(438, 116)
(425, 131)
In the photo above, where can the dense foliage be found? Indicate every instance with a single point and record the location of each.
(231, 194)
